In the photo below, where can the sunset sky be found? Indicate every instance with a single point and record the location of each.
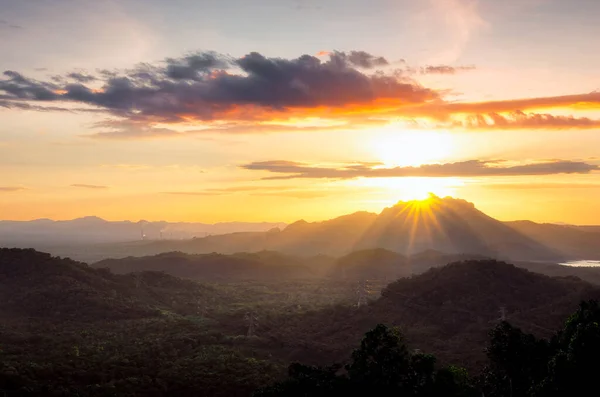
(277, 110)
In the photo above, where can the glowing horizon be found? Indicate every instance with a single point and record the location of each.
(279, 122)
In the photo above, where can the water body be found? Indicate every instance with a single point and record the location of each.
(583, 263)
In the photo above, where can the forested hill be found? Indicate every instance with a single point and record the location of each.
(449, 310)
(262, 265)
(35, 284)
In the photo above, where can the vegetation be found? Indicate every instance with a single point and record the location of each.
(519, 365)
(68, 329)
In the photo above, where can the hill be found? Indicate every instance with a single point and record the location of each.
(37, 285)
(218, 267)
(70, 330)
(446, 310)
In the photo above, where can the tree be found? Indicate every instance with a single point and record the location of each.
(381, 366)
(574, 364)
(517, 362)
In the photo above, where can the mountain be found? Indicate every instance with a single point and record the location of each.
(576, 242)
(447, 225)
(94, 230)
(446, 310)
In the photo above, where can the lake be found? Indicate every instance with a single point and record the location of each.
(582, 263)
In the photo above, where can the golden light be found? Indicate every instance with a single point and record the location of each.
(392, 190)
(394, 146)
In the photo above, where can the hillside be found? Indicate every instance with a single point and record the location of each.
(447, 311)
(217, 267)
(37, 285)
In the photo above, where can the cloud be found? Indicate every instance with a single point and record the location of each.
(444, 69)
(278, 191)
(527, 186)
(86, 186)
(9, 25)
(126, 129)
(17, 86)
(27, 106)
(205, 87)
(11, 188)
(81, 77)
(201, 193)
(521, 120)
(359, 59)
(299, 195)
(196, 66)
(587, 101)
(471, 168)
(216, 93)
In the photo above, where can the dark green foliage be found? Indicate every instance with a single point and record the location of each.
(382, 366)
(517, 361)
(70, 330)
(521, 365)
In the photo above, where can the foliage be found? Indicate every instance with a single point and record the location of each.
(71, 330)
(382, 366)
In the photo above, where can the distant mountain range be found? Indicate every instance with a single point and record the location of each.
(447, 225)
(94, 230)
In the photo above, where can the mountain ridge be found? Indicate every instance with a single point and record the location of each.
(449, 225)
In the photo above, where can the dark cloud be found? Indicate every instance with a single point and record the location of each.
(444, 69)
(223, 94)
(472, 168)
(208, 86)
(86, 186)
(196, 66)
(11, 188)
(360, 59)
(81, 77)
(16, 86)
(27, 106)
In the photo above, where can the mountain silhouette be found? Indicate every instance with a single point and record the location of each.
(448, 225)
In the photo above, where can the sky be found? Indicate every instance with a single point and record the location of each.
(279, 110)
